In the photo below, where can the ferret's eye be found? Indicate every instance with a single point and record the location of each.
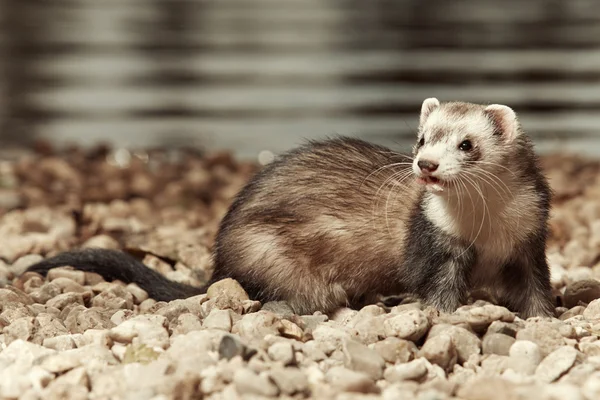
(422, 141)
(465, 145)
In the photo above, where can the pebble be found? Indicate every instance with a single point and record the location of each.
(227, 293)
(395, 350)
(350, 381)
(487, 388)
(62, 300)
(479, 318)
(556, 364)
(248, 382)
(440, 350)
(24, 262)
(497, 343)
(465, 342)
(592, 311)
(147, 329)
(410, 325)
(218, 319)
(290, 381)
(411, 371)
(72, 274)
(359, 357)
(525, 356)
(279, 308)
(282, 352)
(583, 291)
(544, 335)
(231, 346)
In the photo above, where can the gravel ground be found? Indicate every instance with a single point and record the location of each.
(75, 336)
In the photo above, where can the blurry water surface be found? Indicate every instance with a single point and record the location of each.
(265, 74)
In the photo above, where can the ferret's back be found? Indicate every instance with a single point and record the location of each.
(304, 222)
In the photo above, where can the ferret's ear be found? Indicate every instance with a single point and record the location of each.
(427, 107)
(504, 120)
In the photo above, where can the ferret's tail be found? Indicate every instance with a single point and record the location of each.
(117, 265)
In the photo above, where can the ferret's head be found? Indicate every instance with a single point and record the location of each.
(461, 141)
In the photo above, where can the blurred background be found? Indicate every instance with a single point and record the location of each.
(258, 76)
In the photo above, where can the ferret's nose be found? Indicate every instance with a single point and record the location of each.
(427, 166)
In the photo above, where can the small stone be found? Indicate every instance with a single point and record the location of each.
(577, 310)
(291, 330)
(279, 308)
(465, 342)
(72, 274)
(115, 297)
(139, 294)
(75, 377)
(139, 353)
(583, 291)
(505, 328)
(24, 262)
(65, 299)
(479, 318)
(121, 316)
(411, 371)
(47, 325)
(147, 329)
(410, 325)
(11, 294)
(350, 381)
(231, 346)
(394, 350)
(97, 337)
(218, 319)
(69, 285)
(344, 315)
(545, 335)
(282, 352)
(592, 311)
(102, 242)
(227, 293)
(46, 292)
(314, 351)
(524, 356)
(257, 325)
(367, 328)
(487, 388)
(290, 381)
(22, 328)
(311, 322)
(60, 343)
(247, 382)
(556, 364)
(497, 343)
(61, 362)
(173, 309)
(81, 319)
(358, 357)
(440, 350)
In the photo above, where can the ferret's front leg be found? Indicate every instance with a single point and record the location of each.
(526, 287)
(446, 286)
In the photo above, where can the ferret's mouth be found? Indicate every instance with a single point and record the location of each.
(429, 180)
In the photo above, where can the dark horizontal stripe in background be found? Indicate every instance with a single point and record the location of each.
(263, 74)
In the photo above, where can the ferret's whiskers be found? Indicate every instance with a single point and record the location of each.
(472, 204)
(493, 164)
(485, 208)
(394, 186)
(496, 180)
(398, 174)
(392, 165)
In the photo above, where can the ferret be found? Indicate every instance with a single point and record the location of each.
(340, 221)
